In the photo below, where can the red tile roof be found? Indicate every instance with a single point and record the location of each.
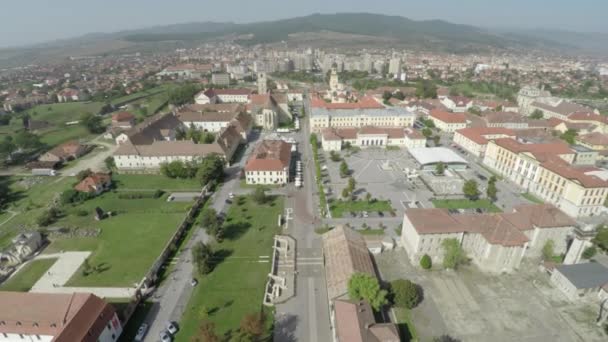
(594, 138)
(122, 116)
(90, 183)
(476, 134)
(577, 174)
(448, 117)
(270, 155)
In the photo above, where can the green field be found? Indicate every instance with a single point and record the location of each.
(235, 287)
(466, 204)
(129, 242)
(60, 113)
(338, 208)
(140, 95)
(27, 276)
(154, 182)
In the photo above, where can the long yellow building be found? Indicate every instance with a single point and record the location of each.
(546, 171)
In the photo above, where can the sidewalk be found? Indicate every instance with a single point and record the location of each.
(59, 274)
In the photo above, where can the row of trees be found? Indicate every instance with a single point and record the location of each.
(197, 136)
(184, 94)
(401, 293)
(210, 168)
(251, 328)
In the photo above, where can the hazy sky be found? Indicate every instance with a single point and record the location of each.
(29, 21)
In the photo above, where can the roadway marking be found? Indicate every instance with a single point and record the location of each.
(312, 312)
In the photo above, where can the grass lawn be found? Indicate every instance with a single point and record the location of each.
(338, 208)
(60, 113)
(139, 95)
(405, 325)
(31, 196)
(128, 243)
(466, 204)
(154, 182)
(59, 135)
(235, 287)
(532, 198)
(27, 276)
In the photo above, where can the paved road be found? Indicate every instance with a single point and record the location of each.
(95, 160)
(171, 298)
(306, 316)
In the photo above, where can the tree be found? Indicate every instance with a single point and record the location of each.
(589, 252)
(351, 184)
(569, 136)
(206, 333)
(27, 141)
(210, 222)
(405, 294)
(601, 238)
(427, 132)
(313, 139)
(83, 174)
(201, 256)
(143, 111)
(492, 191)
(399, 95)
(362, 286)
(537, 114)
(426, 262)
(436, 140)
(386, 95)
(343, 169)
(334, 156)
(368, 197)
(93, 123)
(426, 89)
(345, 193)
(453, 254)
(182, 95)
(110, 163)
(470, 190)
(548, 250)
(211, 168)
(253, 325)
(259, 195)
(48, 217)
(7, 147)
(440, 168)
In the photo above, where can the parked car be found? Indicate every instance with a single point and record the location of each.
(231, 195)
(482, 177)
(172, 327)
(165, 337)
(194, 282)
(141, 332)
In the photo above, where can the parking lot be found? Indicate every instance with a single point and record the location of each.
(473, 306)
(381, 173)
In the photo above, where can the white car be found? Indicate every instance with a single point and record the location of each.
(141, 332)
(165, 337)
(231, 195)
(172, 327)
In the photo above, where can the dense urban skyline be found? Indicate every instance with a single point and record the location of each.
(73, 18)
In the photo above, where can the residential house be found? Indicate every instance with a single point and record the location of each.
(67, 95)
(65, 152)
(123, 120)
(457, 104)
(95, 183)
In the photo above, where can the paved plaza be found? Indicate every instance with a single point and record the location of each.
(474, 306)
(54, 280)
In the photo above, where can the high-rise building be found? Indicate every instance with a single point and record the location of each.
(394, 66)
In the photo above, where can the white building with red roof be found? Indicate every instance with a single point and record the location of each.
(68, 94)
(448, 122)
(333, 139)
(457, 104)
(223, 96)
(269, 163)
(475, 139)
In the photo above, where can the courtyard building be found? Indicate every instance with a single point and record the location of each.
(333, 139)
(496, 242)
(323, 118)
(269, 163)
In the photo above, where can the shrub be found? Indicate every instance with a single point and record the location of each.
(589, 252)
(405, 294)
(158, 193)
(426, 262)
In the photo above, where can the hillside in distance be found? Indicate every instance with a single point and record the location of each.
(430, 34)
